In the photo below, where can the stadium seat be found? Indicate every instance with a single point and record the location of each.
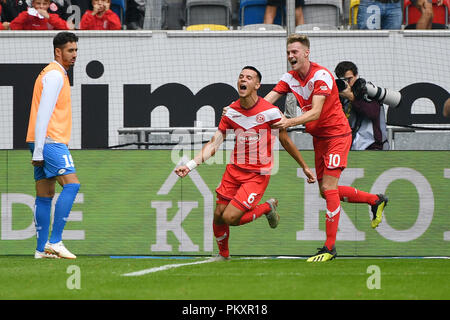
(208, 12)
(155, 15)
(119, 7)
(314, 27)
(206, 27)
(262, 27)
(353, 14)
(252, 12)
(175, 15)
(323, 12)
(440, 18)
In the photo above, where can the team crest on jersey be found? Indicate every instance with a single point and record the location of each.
(310, 85)
(260, 118)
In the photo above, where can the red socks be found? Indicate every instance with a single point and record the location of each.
(222, 231)
(350, 194)
(255, 213)
(333, 198)
(222, 234)
(332, 216)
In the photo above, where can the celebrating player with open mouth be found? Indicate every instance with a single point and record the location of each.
(247, 175)
(318, 97)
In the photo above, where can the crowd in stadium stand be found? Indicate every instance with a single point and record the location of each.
(54, 15)
(97, 14)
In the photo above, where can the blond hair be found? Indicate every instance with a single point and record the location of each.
(302, 38)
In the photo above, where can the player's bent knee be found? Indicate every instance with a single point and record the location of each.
(231, 220)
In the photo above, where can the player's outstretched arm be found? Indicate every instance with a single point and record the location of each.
(291, 148)
(208, 150)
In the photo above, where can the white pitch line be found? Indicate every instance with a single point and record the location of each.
(171, 266)
(166, 267)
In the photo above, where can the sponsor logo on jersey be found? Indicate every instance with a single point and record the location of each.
(248, 137)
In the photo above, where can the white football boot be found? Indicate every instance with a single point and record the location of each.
(44, 255)
(219, 257)
(59, 249)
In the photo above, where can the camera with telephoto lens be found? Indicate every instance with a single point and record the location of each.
(368, 91)
(341, 84)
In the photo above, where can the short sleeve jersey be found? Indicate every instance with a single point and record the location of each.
(318, 81)
(254, 138)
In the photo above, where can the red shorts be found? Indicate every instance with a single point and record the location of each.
(244, 189)
(331, 155)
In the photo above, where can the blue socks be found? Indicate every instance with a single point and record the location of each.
(62, 209)
(42, 210)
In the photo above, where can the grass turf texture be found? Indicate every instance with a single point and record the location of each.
(22, 277)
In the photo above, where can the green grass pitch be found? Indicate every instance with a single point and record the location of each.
(102, 278)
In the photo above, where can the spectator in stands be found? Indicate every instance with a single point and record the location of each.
(426, 10)
(366, 118)
(447, 108)
(12, 8)
(38, 18)
(135, 14)
(101, 17)
(380, 14)
(271, 11)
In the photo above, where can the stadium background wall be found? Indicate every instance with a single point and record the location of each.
(131, 203)
(162, 78)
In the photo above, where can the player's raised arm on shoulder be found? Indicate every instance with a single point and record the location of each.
(225, 110)
(316, 109)
(208, 150)
(291, 148)
(272, 96)
(310, 115)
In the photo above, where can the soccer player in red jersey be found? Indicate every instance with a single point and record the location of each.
(323, 117)
(247, 175)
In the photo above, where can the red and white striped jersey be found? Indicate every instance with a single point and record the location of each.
(254, 137)
(318, 81)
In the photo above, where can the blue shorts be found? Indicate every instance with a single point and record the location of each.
(57, 161)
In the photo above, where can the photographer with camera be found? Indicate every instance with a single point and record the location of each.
(365, 115)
